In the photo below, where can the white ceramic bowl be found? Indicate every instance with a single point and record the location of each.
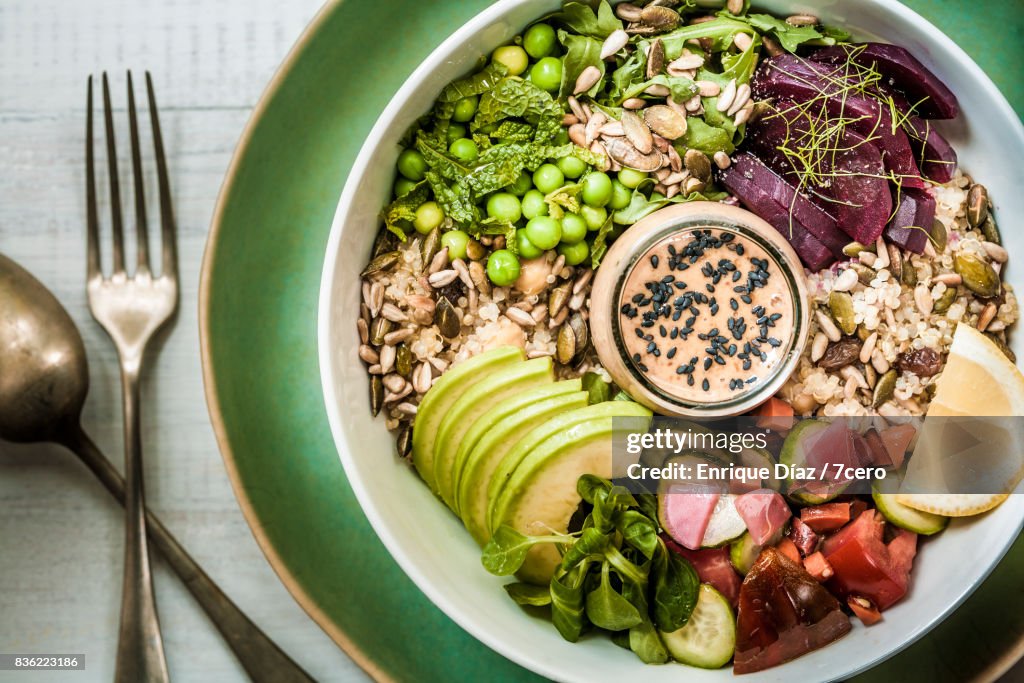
(430, 543)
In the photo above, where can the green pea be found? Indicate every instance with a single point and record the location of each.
(504, 207)
(631, 178)
(428, 216)
(464, 149)
(403, 186)
(574, 228)
(548, 178)
(527, 249)
(574, 254)
(513, 57)
(597, 189)
(456, 241)
(562, 136)
(539, 40)
(534, 204)
(465, 108)
(546, 74)
(621, 196)
(454, 132)
(595, 216)
(544, 231)
(502, 267)
(522, 185)
(571, 167)
(412, 165)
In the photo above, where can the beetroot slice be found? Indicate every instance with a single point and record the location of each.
(770, 197)
(783, 613)
(937, 157)
(915, 213)
(922, 88)
(854, 188)
(794, 78)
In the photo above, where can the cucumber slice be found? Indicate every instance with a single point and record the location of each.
(743, 553)
(725, 524)
(709, 638)
(792, 454)
(902, 515)
(755, 457)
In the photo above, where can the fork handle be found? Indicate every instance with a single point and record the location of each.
(261, 658)
(140, 647)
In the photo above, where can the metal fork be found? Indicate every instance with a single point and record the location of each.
(131, 308)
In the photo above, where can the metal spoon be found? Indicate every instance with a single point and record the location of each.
(44, 378)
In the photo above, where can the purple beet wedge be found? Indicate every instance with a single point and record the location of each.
(834, 91)
(935, 155)
(846, 177)
(922, 88)
(912, 220)
(769, 196)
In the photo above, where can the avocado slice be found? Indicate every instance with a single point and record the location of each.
(476, 401)
(541, 496)
(443, 394)
(503, 435)
(486, 422)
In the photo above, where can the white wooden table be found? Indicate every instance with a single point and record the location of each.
(61, 535)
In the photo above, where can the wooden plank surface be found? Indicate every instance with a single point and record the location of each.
(60, 534)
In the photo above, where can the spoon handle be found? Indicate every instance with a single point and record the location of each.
(261, 658)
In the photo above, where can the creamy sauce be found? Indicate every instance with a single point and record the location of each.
(706, 315)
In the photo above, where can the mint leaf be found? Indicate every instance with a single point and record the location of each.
(403, 209)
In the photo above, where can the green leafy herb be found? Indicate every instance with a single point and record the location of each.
(675, 590)
(529, 594)
(582, 19)
(790, 37)
(682, 88)
(564, 199)
(568, 601)
(600, 244)
(608, 609)
(707, 138)
(639, 531)
(403, 210)
(505, 553)
(640, 205)
(580, 52)
(599, 391)
(643, 638)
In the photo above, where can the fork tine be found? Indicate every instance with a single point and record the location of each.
(140, 193)
(169, 247)
(92, 220)
(115, 190)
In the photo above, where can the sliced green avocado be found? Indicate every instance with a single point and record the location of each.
(443, 394)
(486, 423)
(495, 444)
(540, 497)
(475, 402)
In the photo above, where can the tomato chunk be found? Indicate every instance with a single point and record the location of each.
(826, 517)
(864, 610)
(788, 548)
(866, 566)
(774, 414)
(818, 567)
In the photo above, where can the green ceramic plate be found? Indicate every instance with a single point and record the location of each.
(261, 279)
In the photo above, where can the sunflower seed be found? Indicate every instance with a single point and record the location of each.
(558, 298)
(675, 178)
(394, 383)
(582, 280)
(569, 119)
(948, 279)
(818, 346)
(383, 262)
(881, 254)
(479, 277)
(368, 354)
(398, 336)
(827, 326)
(593, 126)
(576, 302)
(439, 261)
(406, 408)
(727, 96)
(627, 12)
(393, 313)
(851, 373)
(879, 362)
(845, 281)
(429, 246)
(442, 278)
(995, 252)
(615, 41)
(743, 41)
(741, 98)
(364, 331)
(722, 160)
(708, 88)
(665, 121)
(977, 205)
(986, 316)
(460, 267)
(672, 190)
(628, 155)
(378, 328)
(744, 114)
(376, 394)
(996, 326)
(693, 105)
(655, 58)
(694, 185)
(578, 134)
(520, 317)
(598, 148)
(868, 347)
(587, 79)
(634, 103)
(376, 298)
(388, 354)
(675, 161)
(613, 129)
(577, 109)
(895, 261)
(421, 378)
(802, 20)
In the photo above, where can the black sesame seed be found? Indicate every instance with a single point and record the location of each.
(706, 385)
(654, 260)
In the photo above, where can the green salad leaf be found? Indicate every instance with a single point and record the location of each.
(599, 391)
(512, 97)
(643, 637)
(568, 601)
(474, 84)
(675, 589)
(601, 239)
(529, 594)
(580, 52)
(505, 553)
(402, 211)
(608, 609)
(564, 199)
(640, 205)
(790, 37)
(582, 19)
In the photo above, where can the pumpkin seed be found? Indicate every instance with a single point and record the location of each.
(404, 442)
(403, 361)
(565, 348)
(661, 18)
(655, 59)
(558, 298)
(376, 394)
(637, 132)
(627, 12)
(978, 275)
(945, 300)
(385, 242)
(378, 328)
(697, 164)
(998, 340)
(884, 389)
(864, 273)
(665, 121)
(909, 275)
(430, 246)
(977, 205)
(385, 261)
(991, 231)
(629, 156)
(580, 332)
(863, 334)
(840, 304)
(939, 235)
(447, 318)
(853, 249)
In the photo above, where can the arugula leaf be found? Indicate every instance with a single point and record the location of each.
(580, 52)
(403, 209)
(599, 391)
(581, 18)
(640, 205)
(568, 601)
(790, 37)
(675, 585)
(608, 609)
(505, 553)
(707, 138)
(682, 88)
(721, 31)
(529, 594)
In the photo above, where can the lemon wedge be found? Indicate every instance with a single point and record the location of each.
(978, 380)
